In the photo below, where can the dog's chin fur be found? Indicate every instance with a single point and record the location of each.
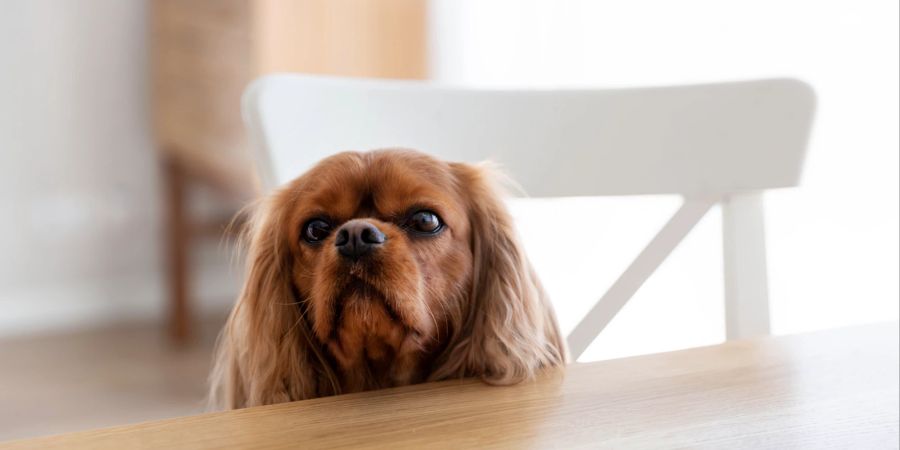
(462, 302)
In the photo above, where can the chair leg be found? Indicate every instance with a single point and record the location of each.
(177, 248)
(746, 280)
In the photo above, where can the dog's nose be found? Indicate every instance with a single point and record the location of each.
(357, 238)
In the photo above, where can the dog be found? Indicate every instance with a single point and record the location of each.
(380, 269)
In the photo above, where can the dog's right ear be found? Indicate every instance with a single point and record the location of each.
(266, 353)
(509, 331)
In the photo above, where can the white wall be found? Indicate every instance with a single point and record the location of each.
(833, 242)
(79, 183)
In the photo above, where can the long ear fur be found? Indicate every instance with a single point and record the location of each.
(508, 330)
(265, 353)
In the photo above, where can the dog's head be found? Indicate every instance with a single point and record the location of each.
(380, 269)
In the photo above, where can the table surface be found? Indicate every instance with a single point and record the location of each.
(834, 388)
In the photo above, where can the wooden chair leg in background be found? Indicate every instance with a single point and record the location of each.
(177, 251)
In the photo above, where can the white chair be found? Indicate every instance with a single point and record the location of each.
(709, 143)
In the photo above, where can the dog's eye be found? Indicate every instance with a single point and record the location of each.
(316, 230)
(425, 222)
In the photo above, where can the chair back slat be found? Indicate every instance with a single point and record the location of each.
(694, 140)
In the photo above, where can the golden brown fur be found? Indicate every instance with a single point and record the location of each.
(464, 302)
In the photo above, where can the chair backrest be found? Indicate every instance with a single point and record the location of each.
(696, 140)
(710, 143)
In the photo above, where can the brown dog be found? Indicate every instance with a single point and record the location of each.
(382, 269)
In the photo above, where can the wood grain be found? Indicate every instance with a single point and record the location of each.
(834, 389)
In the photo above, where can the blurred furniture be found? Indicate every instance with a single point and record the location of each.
(836, 389)
(203, 55)
(716, 143)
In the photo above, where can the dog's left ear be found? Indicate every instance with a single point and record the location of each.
(508, 330)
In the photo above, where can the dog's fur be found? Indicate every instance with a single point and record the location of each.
(464, 302)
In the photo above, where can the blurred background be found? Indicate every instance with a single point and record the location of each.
(123, 157)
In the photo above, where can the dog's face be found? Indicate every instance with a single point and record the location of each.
(381, 245)
(382, 269)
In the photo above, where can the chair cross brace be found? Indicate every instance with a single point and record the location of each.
(650, 258)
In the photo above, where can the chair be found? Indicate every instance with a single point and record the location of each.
(713, 143)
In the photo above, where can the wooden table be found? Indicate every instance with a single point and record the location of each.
(828, 389)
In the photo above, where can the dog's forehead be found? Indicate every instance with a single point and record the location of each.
(387, 182)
